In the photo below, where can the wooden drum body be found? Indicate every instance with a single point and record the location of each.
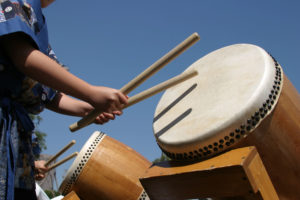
(240, 97)
(277, 140)
(106, 169)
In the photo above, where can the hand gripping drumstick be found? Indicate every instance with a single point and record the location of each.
(156, 89)
(60, 152)
(141, 78)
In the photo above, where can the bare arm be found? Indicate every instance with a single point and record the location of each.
(40, 67)
(64, 104)
(69, 106)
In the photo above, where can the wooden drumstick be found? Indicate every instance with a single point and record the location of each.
(62, 161)
(141, 78)
(192, 39)
(160, 87)
(60, 152)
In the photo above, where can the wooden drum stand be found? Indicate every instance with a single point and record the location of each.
(237, 174)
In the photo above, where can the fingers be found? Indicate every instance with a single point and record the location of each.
(40, 173)
(110, 101)
(40, 166)
(105, 117)
(117, 104)
(123, 98)
(39, 176)
(117, 112)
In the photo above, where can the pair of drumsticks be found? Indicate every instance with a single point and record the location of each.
(58, 154)
(88, 119)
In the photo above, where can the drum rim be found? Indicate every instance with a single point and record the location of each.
(78, 164)
(225, 141)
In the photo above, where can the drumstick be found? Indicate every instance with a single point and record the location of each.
(156, 89)
(192, 39)
(60, 152)
(62, 161)
(160, 87)
(141, 78)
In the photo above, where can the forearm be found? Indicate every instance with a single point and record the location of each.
(53, 75)
(66, 105)
(40, 67)
(69, 106)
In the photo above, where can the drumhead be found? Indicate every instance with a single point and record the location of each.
(80, 161)
(236, 88)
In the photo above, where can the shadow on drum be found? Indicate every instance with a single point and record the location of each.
(169, 107)
(175, 102)
(174, 122)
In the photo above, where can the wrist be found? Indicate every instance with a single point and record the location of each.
(90, 94)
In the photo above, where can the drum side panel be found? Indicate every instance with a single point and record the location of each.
(277, 140)
(77, 165)
(112, 172)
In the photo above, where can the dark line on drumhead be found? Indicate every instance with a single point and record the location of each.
(175, 102)
(174, 122)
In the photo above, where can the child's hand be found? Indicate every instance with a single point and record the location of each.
(40, 169)
(105, 117)
(108, 100)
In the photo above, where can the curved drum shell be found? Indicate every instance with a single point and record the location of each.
(112, 172)
(277, 140)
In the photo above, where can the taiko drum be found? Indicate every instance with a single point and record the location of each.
(241, 97)
(106, 169)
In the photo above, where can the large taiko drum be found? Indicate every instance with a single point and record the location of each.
(106, 169)
(240, 97)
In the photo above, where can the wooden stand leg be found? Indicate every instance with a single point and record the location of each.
(71, 196)
(239, 174)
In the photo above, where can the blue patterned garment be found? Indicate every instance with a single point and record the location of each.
(20, 95)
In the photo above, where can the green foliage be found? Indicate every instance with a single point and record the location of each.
(40, 135)
(41, 139)
(52, 193)
(163, 157)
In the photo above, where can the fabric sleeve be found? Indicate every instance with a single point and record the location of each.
(21, 17)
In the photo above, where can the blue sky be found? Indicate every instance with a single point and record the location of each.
(110, 42)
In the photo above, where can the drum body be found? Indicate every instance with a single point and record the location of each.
(241, 97)
(277, 140)
(106, 169)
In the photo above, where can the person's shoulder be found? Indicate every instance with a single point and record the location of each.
(24, 17)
